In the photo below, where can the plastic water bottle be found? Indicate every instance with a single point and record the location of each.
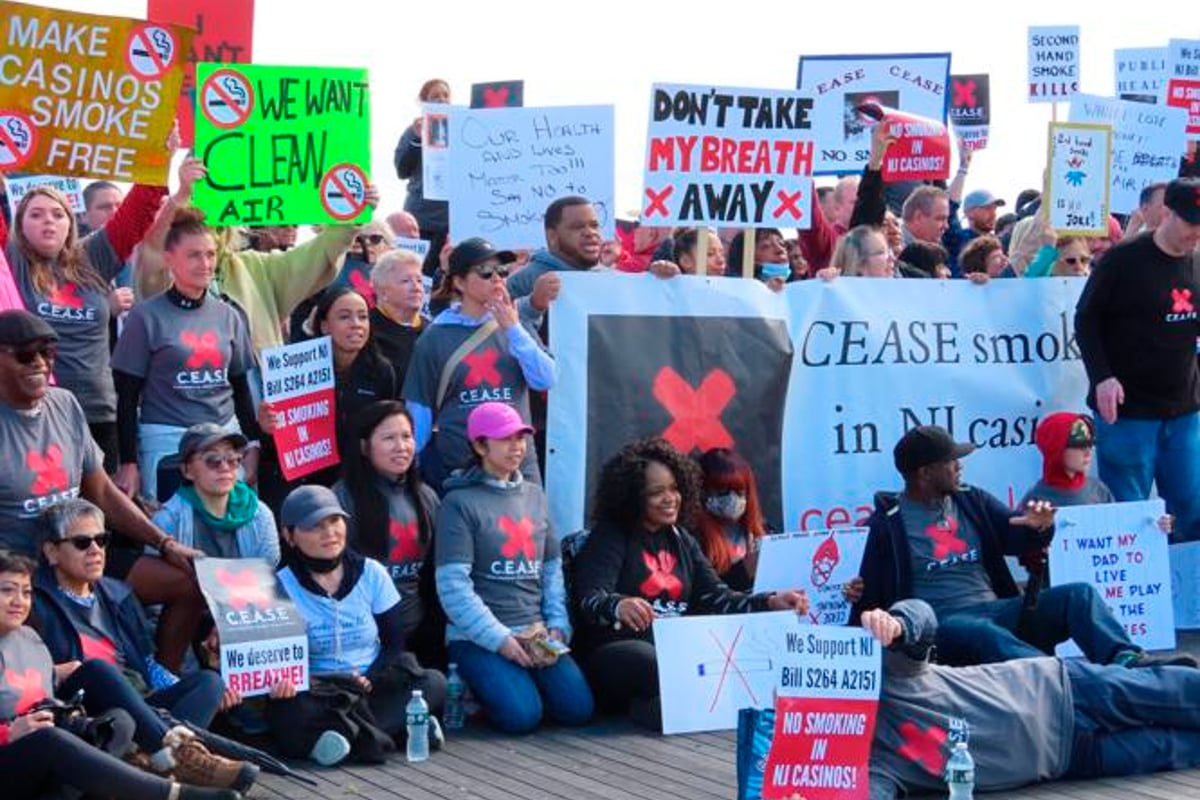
(960, 773)
(417, 713)
(455, 715)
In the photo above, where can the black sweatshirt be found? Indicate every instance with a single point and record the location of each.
(1136, 320)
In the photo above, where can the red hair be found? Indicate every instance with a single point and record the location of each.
(725, 471)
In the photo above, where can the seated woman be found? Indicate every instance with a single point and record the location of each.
(730, 525)
(83, 615)
(213, 511)
(36, 756)
(391, 519)
(499, 576)
(640, 563)
(353, 615)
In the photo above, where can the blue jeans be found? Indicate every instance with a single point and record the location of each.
(194, 699)
(991, 632)
(514, 696)
(1133, 454)
(1130, 721)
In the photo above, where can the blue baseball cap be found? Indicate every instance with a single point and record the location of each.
(981, 198)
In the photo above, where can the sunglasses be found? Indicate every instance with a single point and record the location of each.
(488, 272)
(26, 356)
(1073, 260)
(215, 461)
(373, 239)
(84, 543)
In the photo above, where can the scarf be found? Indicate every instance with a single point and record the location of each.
(243, 505)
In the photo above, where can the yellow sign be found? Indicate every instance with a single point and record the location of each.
(87, 95)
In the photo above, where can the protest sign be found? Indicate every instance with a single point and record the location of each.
(710, 666)
(283, 145)
(1183, 81)
(19, 185)
(1146, 143)
(1119, 549)
(498, 94)
(298, 383)
(1185, 566)
(435, 151)
(1053, 63)
(840, 85)
(88, 96)
(921, 151)
(418, 247)
(1079, 177)
(508, 164)
(263, 637)
(820, 562)
(224, 35)
(732, 157)
(971, 110)
(829, 685)
(793, 379)
(1139, 73)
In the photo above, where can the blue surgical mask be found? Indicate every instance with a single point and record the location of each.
(770, 271)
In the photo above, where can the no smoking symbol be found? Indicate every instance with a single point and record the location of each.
(150, 52)
(18, 139)
(344, 192)
(227, 98)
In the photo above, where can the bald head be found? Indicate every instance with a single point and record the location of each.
(404, 224)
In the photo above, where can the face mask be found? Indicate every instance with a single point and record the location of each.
(770, 271)
(730, 506)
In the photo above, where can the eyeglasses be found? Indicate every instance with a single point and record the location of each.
(26, 356)
(215, 461)
(83, 543)
(1073, 260)
(373, 239)
(488, 273)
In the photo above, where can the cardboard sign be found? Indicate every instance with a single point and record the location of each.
(298, 383)
(1146, 143)
(19, 186)
(840, 85)
(1053, 63)
(1183, 81)
(921, 151)
(825, 715)
(263, 638)
(971, 109)
(508, 164)
(733, 157)
(224, 35)
(1139, 73)
(283, 145)
(1077, 195)
(88, 96)
(498, 94)
(435, 151)
(821, 562)
(1119, 549)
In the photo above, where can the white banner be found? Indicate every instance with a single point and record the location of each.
(820, 562)
(1053, 63)
(1140, 73)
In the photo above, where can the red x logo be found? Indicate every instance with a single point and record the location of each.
(406, 542)
(945, 538)
(658, 202)
(66, 296)
(964, 94)
(788, 201)
(924, 747)
(244, 589)
(204, 347)
(481, 368)
(696, 413)
(101, 648)
(362, 284)
(28, 684)
(50, 474)
(1181, 301)
(518, 538)
(662, 579)
(495, 98)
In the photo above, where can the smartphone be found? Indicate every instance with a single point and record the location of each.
(553, 646)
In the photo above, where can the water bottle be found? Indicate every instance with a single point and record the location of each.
(960, 773)
(417, 713)
(455, 715)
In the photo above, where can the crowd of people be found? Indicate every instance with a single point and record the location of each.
(138, 440)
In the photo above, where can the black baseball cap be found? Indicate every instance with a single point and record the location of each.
(925, 445)
(1183, 197)
(18, 326)
(474, 251)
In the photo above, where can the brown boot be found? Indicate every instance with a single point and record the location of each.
(195, 765)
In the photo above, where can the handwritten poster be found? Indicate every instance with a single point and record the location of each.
(509, 164)
(1053, 63)
(1079, 177)
(819, 561)
(1119, 549)
(971, 109)
(731, 157)
(298, 383)
(1183, 81)
(1139, 73)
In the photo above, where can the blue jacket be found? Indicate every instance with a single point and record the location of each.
(520, 284)
(886, 567)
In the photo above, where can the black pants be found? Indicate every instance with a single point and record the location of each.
(104, 688)
(620, 672)
(105, 434)
(437, 240)
(50, 758)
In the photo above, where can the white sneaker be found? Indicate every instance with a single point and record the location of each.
(331, 749)
(437, 739)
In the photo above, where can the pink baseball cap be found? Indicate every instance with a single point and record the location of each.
(495, 421)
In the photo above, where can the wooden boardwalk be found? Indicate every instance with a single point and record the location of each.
(612, 760)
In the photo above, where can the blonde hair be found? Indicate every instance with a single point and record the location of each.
(70, 265)
(851, 250)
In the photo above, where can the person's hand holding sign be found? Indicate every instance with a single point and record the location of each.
(191, 170)
(882, 625)
(881, 139)
(792, 599)
(545, 291)
(372, 196)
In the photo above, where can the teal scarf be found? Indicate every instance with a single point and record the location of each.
(243, 505)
